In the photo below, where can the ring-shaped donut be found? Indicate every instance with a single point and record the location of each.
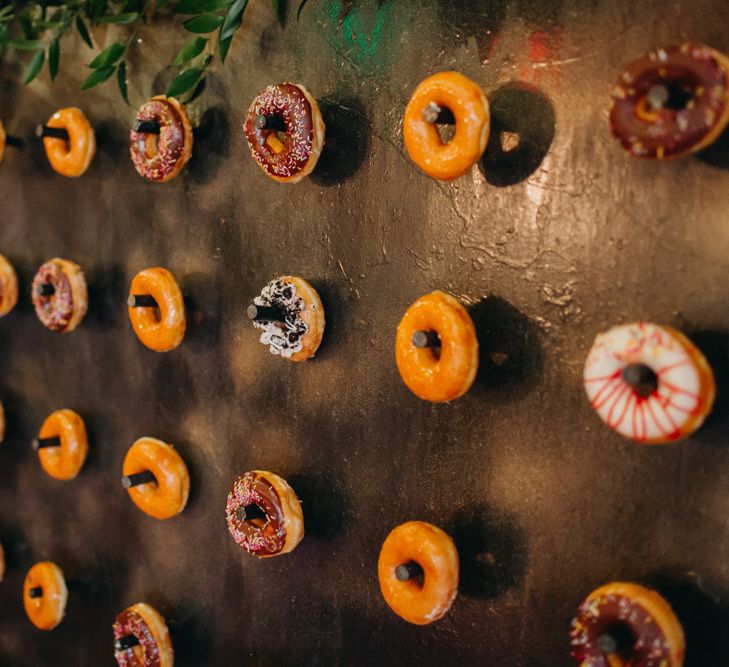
(161, 157)
(425, 599)
(148, 627)
(45, 611)
(681, 391)
(167, 496)
(626, 624)
(696, 74)
(65, 461)
(63, 309)
(291, 155)
(8, 286)
(276, 526)
(470, 108)
(166, 331)
(432, 375)
(70, 158)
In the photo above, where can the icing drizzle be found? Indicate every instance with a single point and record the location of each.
(283, 338)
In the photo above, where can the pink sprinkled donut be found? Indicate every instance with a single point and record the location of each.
(60, 296)
(648, 382)
(160, 157)
(285, 131)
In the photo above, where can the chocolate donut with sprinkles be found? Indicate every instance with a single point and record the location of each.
(161, 139)
(626, 624)
(672, 101)
(285, 131)
(60, 295)
(141, 638)
(264, 515)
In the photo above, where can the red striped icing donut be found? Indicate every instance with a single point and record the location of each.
(649, 382)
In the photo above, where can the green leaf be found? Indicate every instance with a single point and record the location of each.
(25, 44)
(108, 56)
(121, 80)
(191, 50)
(96, 77)
(184, 81)
(34, 67)
(83, 31)
(278, 9)
(54, 51)
(233, 19)
(224, 47)
(122, 19)
(301, 6)
(201, 6)
(198, 90)
(97, 8)
(203, 24)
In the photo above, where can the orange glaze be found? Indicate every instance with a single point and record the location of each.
(427, 376)
(8, 286)
(168, 496)
(73, 157)
(470, 108)
(46, 611)
(166, 332)
(435, 552)
(312, 315)
(66, 461)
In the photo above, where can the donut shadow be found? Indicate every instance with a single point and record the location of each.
(334, 302)
(704, 617)
(192, 644)
(202, 304)
(17, 549)
(107, 297)
(346, 143)
(112, 137)
(716, 154)
(464, 19)
(16, 429)
(522, 129)
(492, 551)
(510, 352)
(326, 506)
(211, 145)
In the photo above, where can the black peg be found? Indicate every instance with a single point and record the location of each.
(436, 114)
(42, 443)
(251, 513)
(15, 142)
(146, 126)
(265, 313)
(657, 96)
(642, 378)
(142, 301)
(144, 477)
(36, 592)
(607, 644)
(46, 289)
(275, 123)
(423, 339)
(408, 571)
(125, 643)
(43, 131)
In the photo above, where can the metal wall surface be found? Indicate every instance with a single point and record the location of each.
(549, 245)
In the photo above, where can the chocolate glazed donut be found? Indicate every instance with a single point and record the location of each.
(671, 102)
(150, 644)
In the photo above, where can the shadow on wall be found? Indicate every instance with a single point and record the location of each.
(717, 154)
(715, 347)
(211, 143)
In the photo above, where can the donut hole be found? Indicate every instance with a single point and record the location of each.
(149, 146)
(510, 141)
(619, 640)
(253, 514)
(410, 573)
(446, 131)
(671, 95)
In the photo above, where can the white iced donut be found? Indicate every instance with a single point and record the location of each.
(649, 382)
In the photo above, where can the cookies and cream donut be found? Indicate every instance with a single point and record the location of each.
(649, 382)
(156, 478)
(8, 286)
(290, 315)
(141, 638)
(470, 109)
(626, 624)
(45, 595)
(62, 444)
(671, 101)
(157, 309)
(60, 296)
(160, 156)
(264, 515)
(418, 572)
(70, 156)
(436, 348)
(285, 131)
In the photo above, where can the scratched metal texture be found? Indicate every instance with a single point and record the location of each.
(548, 244)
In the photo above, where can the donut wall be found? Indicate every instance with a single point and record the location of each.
(555, 235)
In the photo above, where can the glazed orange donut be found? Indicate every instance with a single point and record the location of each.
(64, 457)
(73, 157)
(622, 624)
(291, 316)
(141, 638)
(418, 572)
(167, 486)
(470, 109)
(45, 595)
(166, 331)
(60, 295)
(442, 366)
(8, 286)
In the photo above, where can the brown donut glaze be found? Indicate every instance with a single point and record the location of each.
(55, 310)
(693, 72)
(129, 622)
